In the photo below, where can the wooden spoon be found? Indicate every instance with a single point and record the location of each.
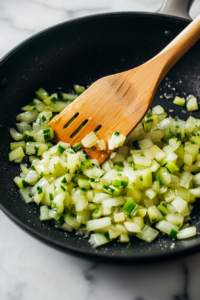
(119, 102)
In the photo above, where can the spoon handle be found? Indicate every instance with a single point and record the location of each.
(177, 48)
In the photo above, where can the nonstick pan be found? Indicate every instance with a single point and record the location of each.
(81, 51)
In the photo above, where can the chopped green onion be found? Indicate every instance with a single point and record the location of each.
(173, 233)
(77, 147)
(136, 145)
(61, 149)
(39, 189)
(116, 133)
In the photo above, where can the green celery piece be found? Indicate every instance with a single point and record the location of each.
(163, 209)
(42, 94)
(129, 206)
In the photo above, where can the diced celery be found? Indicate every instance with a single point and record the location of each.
(154, 214)
(98, 239)
(179, 101)
(42, 94)
(166, 227)
(70, 219)
(129, 206)
(192, 103)
(16, 145)
(119, 217)
(147, 178)
(171, 167)
(147, 234)
(163, 208)
(89, 140)
(44, 213)
(187, 233)
(79, 89)
(132, 227)
(15, 154)
(97, 224)
(111, 190)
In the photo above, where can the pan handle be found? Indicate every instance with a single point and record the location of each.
(179, 8)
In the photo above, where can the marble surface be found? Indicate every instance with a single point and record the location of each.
(30, 270)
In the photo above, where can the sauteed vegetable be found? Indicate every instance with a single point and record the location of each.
(147, 186)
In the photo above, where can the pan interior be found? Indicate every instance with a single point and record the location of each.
(80, 52)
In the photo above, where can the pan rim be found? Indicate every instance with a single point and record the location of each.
(86, 18)
(104, 257)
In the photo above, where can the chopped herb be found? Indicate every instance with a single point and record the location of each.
(96, 210)
(46, 130)
(64, 180)
(32, 103)
(61, 220)
(149, 121)
(42, 174)
(106, 235)
(53, 99)
(85, 153)
(124, 183)
(116, 133)
(30, 195)
(51, 196)
(153, 220)
(77, 147)
(149, 114)
(61, 149)
(72, 215)
(47, 136)
(33, 168)
(24, 183)
(36, 150)
(62, 187)
(173, 233)
(28, 138)
(136, 145)
(25, 137)
(110, 190)
(118, 168)
(39, 189)
(95, 165)
(43, 119)
(92, 180)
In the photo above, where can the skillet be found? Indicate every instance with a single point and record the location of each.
(81, 51)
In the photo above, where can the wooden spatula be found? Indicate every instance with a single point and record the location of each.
(118, 102)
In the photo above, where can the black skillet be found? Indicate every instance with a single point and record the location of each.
(81, 51)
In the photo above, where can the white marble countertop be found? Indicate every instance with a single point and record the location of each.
(31, 270)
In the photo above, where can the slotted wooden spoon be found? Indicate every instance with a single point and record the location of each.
(119, 102)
